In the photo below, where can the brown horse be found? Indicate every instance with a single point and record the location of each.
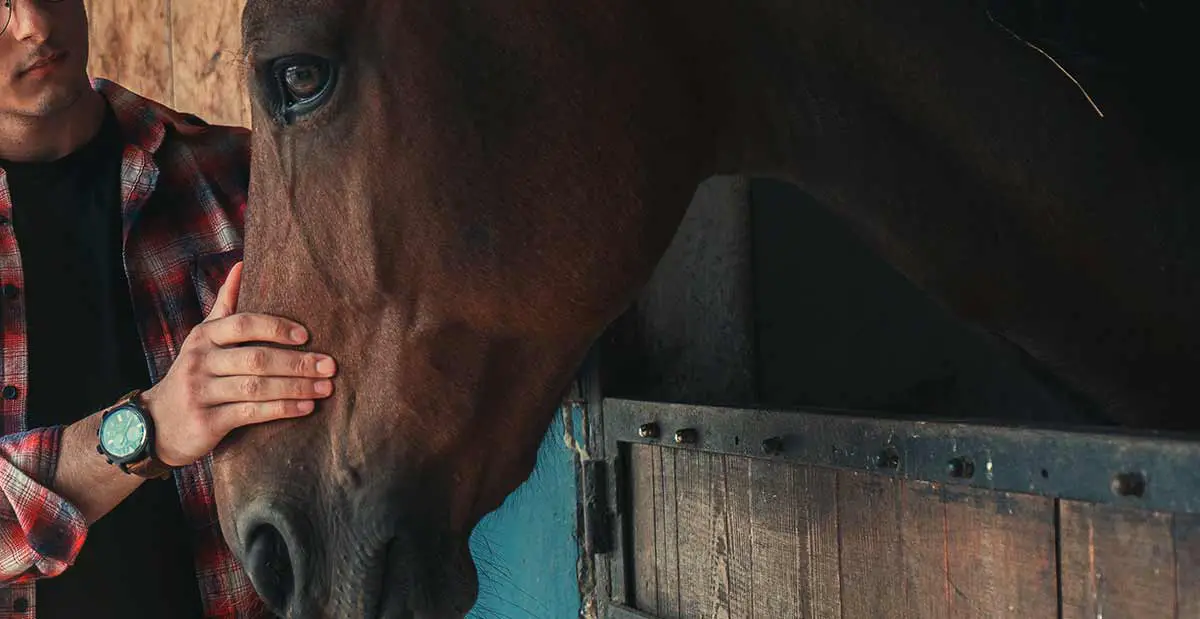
(458, 197)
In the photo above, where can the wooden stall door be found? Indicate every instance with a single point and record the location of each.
(717, 532)
(733, 537)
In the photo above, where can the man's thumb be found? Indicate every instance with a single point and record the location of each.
(227, 296)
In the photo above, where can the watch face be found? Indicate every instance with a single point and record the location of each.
(123, 433)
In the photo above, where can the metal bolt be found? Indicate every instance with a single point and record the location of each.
(1129, 484)
(889, 458)
(648, 430)
(961, 467)
(685, 436)
(772, 445)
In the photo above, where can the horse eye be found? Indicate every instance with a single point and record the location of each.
(301, 84)
(304, 81)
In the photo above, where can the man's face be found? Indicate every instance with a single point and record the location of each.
(43, 56)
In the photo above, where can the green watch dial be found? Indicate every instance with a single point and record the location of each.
(123, 433)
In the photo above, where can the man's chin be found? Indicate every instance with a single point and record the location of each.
(53, 99)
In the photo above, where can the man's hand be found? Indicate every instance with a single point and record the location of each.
(216, 385)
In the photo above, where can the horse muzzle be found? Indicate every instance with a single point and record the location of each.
(340, 567)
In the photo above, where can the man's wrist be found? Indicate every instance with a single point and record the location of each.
(126, 438)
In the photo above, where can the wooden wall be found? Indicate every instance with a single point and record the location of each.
(184, 53)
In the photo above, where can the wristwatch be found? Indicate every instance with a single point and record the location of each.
(126, 438)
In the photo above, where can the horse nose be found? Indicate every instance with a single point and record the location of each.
(272, 552)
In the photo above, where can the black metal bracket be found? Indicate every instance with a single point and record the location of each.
(1152, 471)
(597, 517)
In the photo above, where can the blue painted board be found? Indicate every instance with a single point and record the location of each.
(526, 551)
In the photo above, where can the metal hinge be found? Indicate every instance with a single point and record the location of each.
(597, 517)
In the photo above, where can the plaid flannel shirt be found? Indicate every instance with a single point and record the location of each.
(183, 197)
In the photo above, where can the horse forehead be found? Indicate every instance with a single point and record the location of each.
(264, 17)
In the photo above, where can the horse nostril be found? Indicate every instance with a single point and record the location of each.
(270, 567)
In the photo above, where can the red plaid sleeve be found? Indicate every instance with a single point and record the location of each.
(40, 532)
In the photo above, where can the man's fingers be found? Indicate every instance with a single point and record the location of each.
(266, 361)
(233, 389)
(228, 417)
(227, 296)
(246, 327)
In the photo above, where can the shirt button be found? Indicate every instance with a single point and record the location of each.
(9, 392)
(20, 605)
(9, 291)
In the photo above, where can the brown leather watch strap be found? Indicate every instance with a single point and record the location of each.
(149, 467)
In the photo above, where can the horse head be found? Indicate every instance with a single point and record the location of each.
(456, 198)
(425, 179)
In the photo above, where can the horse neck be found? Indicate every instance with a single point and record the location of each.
(969, 160)
(885, 111)
(790, 81)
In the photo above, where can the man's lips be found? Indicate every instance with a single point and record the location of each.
(45, 62)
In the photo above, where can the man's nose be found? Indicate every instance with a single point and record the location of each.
(28, 20)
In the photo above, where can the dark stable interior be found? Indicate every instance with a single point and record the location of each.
(834, 326)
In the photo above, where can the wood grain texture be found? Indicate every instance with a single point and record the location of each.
(749, 537)
(643, 460)
(206, 39)
(758, 538)
(774, 540)
(739, 486)
(729, 537)
(1117, 563)
(130, 43)
(702, 535)
(1001, 558)
(1186, 533)
(869, 514)
(666, 535)
(925, 552)
(817, 525)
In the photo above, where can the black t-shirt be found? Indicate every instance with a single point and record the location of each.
(85, 353)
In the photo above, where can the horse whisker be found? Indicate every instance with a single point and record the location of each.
(1050, 58)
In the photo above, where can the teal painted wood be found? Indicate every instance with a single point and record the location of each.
(527, 550)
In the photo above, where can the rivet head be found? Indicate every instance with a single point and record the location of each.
(773, 445)
(1131, 484)
(685, 436)
(888, 458)
(961, 467)
(648, 430)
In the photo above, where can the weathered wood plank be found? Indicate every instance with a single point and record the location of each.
(206, 38)
(817, 523)
(722, 542)
(666, 541)
(1187, 564)
(925, 551)
(130, 43)
(703, 542)
(1117, 563)
(869, 508)
(774, 540)
(755, 538)
(642, 459)
(739, 486)
(1001, 558)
